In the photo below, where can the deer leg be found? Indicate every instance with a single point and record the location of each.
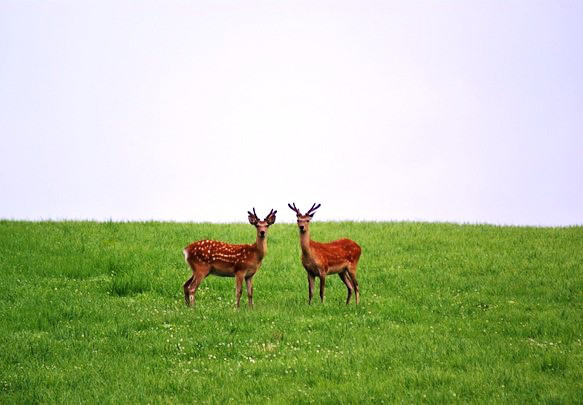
(322, 286)
(193, 287)
(187, 291)
(344, 277)
(238, 287)
(199, 273)
(249, 282)
(311, 279)
(352, 273)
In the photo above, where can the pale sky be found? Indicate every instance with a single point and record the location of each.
(198, 111)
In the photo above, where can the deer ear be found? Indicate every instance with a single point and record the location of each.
(252, 218)
(271, 218)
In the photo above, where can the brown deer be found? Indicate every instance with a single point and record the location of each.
(223, 259)
(320, 259)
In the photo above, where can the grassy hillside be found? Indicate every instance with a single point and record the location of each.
(94, 312)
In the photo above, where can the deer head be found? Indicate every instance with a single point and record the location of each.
(304, 219)
(261, 225)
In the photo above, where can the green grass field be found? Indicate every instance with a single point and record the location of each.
(94, 312)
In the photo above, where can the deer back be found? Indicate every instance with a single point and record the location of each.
(217, 253)
(335, 253)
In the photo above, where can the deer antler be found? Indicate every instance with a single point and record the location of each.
(253, 216)
(270, 214)
(271, 217)
(294, 208)
(313, 209)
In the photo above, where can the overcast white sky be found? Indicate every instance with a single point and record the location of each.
(198, 111)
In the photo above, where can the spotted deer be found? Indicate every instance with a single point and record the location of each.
(320, 259)
(226, 260)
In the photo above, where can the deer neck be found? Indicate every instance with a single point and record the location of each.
(305, 243)
(261, 246)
